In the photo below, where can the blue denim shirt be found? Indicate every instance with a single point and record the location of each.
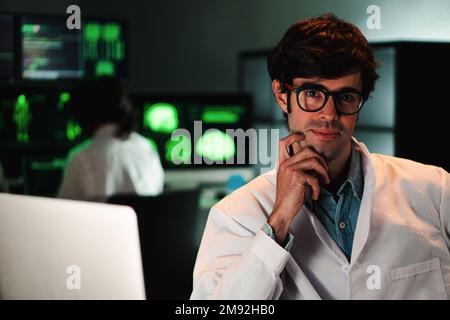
(339, 214)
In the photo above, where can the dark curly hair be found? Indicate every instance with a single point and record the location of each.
(325, 47)
(100, 101)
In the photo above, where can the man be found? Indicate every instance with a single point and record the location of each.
(332, 221)
(115, 159)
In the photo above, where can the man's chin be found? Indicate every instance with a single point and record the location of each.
(329, 150)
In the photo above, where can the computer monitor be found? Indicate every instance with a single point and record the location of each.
(208, 129)
(254, 80)
(105, 47)
(36, 131)
(49, 49)
(36, 115)
(7, 47)
(63, 249)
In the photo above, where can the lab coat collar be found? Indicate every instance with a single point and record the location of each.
(355, 177)
(105, 131)
(363, 224)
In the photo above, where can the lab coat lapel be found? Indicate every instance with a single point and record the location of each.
(364, 216)
(305, 287)
(323, 235)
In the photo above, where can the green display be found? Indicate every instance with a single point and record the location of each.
(22, 118)
(215, 145)
(104, 47)
(161, 117)
(92, 32)
(219, 114)
(64, 97)
(73, 130)
(30, 28)
(104, 68)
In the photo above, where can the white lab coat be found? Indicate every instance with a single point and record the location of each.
(400, 249)
(107, 165)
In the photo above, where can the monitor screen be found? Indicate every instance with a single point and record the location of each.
(36, 116)
(35, 123)
(254, 80)
(7, 57)
(49, 49)
(196, 131)
(104, 44)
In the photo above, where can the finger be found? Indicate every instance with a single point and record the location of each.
(312, 164)
(296, 146)
(314, 184)
(283, 145)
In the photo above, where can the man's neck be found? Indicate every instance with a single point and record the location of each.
(338, 169)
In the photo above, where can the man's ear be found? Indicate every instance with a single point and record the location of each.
(280, 95)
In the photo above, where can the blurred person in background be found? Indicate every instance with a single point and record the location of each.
(115, 159)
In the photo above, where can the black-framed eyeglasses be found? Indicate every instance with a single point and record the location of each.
(311, 98)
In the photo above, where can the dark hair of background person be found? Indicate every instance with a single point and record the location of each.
(101, 101)
(326, 47)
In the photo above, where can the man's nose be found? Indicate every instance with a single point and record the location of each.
(329, 112)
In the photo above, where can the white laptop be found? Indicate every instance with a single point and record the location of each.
(64, 249)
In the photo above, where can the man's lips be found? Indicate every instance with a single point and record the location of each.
(326, 134)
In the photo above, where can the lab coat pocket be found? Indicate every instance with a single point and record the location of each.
(416, 282)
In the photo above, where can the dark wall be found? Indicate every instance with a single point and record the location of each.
(192, 46)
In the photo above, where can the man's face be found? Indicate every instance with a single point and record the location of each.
(327, 132)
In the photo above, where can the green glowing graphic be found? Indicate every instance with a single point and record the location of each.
(113, 45)
(64, 97)
(92, 32)
(103, 42)
(111, 32)
(152, 144)
(73, 130)
(215, 145)
(104, 68)
(219, 116)
(179, 150)
(22, 117)
(30, 28)
(161, 117)
(48, 165)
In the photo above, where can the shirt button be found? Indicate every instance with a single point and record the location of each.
(342, 225)
(345, 268)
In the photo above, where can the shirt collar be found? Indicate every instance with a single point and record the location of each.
(354, 177)
(355, 173)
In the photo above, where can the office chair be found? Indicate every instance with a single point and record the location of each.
(167, 233)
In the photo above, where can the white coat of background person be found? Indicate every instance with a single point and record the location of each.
(115, 159)
(275, 238)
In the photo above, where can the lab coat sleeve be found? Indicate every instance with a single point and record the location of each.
(445, 206)
(72, 186)
(236, 263)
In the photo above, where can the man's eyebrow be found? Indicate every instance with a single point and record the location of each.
(321, 86)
